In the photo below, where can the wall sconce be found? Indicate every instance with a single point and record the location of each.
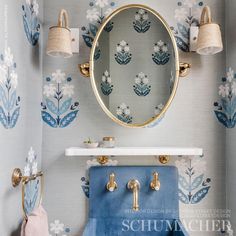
(63, 41)
(206, 39)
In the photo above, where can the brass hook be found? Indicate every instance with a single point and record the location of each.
(155, 184)
(112, 185)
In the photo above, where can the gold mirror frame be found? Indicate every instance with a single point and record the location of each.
(177, 66)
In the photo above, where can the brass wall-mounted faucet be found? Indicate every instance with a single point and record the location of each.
(155, 184)
(112, 185)
(134, 186)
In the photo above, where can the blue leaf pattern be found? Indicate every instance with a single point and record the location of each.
(197, 182)
(52, 107)
(14, 117)
(65, 121)
(47, 118)
(65, 106)
(31, 23)
(3, 118)
(198, 196)
(183, 197)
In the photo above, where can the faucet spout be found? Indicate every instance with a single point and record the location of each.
(134, 186)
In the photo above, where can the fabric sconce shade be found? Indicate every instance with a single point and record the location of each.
(209, 37)
(59, 38)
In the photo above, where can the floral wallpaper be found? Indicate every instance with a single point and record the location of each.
(32, 187)
(58, 108)
(161, 56)
(193, 185)
(141, 23)
(123, 55)
(97, 12)
(141, 86)
(225, 107)
(106, 85)
(59, 229)
(31, 21)
(9, 100)
(187, 14)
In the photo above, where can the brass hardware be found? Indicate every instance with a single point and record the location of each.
(155, 184)
(102, 160)
(108, 139)
(92, 62)
(17, 178)
(184, 69)
(85, 69)
(111, 185)
(164, 159)
(134, 186)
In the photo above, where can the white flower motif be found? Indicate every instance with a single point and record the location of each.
(141, 11)
(123, 43)
(145, 80)
(68, 90)
(126, 48)
(224, 90)
(127, 111)
(101, 3)
(27, 170)
(137, 80)
(119, 48)
(145, 16)
(8, 59)
(58, 76)
(35, 7)
(164, 49)
(141, 75)
(92, 14)
(233, 87)
(28, 2)
(158, 109)
(137, 17)
(57, 227)
(119, 111)
(181, 14)
(49, 90)
(31, 155)
(3, 74)
(109, 80)
(160, 43)
(230, 75)
(106, 73)
(103, 78)
(108, 12)
(34, 168)
(157, 48)
(14, 79)
(160, 106)
(189, 3)
(123, 106)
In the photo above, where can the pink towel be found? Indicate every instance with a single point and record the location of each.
(37, 223)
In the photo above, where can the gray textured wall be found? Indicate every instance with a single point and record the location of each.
(15, 143)
(190, 121)
(231, 133)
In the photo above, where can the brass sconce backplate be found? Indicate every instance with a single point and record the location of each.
(164, 159)
(102, 160)
(184, 69)
(16, 177)
(84, 69)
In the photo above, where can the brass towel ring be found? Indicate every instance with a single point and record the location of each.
(17, 178)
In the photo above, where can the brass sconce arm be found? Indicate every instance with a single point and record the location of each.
(184, 69)
(85, 69)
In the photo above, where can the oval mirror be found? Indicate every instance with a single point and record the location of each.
(134, 66)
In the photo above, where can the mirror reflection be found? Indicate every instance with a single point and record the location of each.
(134, 66)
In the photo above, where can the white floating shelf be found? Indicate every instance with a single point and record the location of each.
(134, 151)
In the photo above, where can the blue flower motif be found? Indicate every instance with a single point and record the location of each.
(141, 23)
(106, 85)
(225, 108)
(123, 113)
(31, 21)
(9, 101)
(123, 55)
(161, 56)
(63, 111)
(142, 87)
